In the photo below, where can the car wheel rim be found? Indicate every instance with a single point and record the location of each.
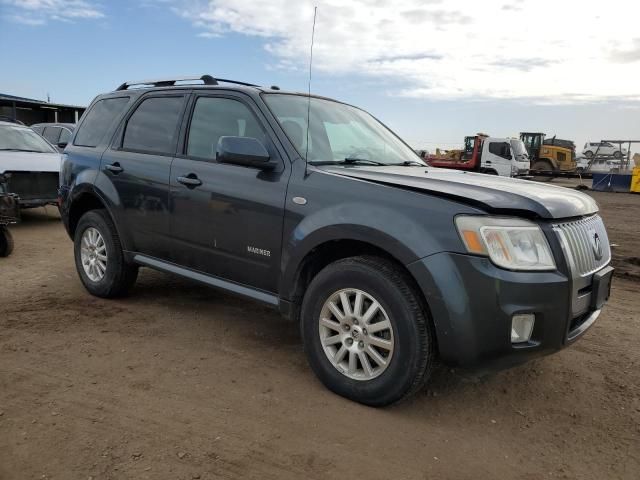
(356, 334)
(93, 254)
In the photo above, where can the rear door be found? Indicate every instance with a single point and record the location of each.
(228, 222)
(138, 165)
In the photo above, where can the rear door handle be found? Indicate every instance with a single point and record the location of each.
(114, 167)
(190, 180)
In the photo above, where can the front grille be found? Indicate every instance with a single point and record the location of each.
(580, 242)
(34, 185)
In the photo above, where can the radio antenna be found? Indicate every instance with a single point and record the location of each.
(313, 33)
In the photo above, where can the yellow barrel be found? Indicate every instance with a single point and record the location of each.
(635, 180)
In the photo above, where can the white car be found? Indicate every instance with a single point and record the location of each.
(604, 149)
(598, 165)
(31, 163)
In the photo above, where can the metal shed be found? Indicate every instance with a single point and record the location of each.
(30, 111)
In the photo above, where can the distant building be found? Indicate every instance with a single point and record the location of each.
(30, 111)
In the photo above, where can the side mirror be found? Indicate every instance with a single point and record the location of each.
(245, 151)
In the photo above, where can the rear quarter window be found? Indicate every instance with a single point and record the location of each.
(98, 120)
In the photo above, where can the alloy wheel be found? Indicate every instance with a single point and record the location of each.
(356, 334)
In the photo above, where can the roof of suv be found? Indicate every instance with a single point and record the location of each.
(208, 82)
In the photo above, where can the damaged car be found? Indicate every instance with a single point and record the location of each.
(32, 165)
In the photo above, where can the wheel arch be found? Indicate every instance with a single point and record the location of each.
(84, 202)
(322, 254)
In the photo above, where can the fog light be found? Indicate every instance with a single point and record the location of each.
(522, 327)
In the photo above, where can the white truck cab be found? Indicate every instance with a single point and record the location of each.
(506, 157)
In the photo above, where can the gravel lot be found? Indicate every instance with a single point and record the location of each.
(180, 381)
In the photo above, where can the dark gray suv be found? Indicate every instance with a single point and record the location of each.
(316, 208)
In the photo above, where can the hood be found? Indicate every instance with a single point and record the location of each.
(490, 192)
(29, 162)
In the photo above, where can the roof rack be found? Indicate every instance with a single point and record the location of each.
(168, 82)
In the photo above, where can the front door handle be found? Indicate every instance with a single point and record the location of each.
(190, 180)
(114, 167)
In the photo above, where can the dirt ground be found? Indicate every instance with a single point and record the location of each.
(179, 381)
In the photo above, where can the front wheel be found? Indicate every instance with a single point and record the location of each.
(365, 332)
(6, 242)
(99, 258)
(542, 166)
(588, 154)
(617, 155)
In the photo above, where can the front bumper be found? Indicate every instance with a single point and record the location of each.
(472, 303)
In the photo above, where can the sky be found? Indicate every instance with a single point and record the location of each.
(432, 70)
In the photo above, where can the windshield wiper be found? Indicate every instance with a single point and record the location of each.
(351, 161)
(408, 163)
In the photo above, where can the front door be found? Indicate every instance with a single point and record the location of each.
(226, 220)
(138, 165)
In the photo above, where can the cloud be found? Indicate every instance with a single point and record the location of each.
(536, 50)
(629, 55)
(523, 64)
(39, 12)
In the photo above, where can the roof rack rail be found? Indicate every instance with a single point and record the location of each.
(168, 82)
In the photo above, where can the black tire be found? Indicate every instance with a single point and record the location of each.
(6, 241)
(617, 155)
(414, 350)
(119, 276)
(542, 166)
(588, 154)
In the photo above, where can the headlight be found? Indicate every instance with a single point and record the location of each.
(510, 243)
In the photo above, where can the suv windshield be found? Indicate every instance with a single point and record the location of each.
(339, 133)
(22, 139)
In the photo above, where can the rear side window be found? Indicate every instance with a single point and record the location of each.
(220, 117)
(98, 120)
(52, 134)
(153, 126)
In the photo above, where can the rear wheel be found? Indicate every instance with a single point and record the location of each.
(617, 155)
(99, 259)
(6, 241)
(588, 154)
(365, 333)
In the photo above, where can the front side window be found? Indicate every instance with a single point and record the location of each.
(337, 132)
(501, 149)
(98, 120)
(220, 117)
(22, 139)
(153, 126)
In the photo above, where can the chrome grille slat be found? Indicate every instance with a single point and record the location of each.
(577, 239)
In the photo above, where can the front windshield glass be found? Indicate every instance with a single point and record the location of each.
(22, 139)
(518, 148)
(338, 132)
